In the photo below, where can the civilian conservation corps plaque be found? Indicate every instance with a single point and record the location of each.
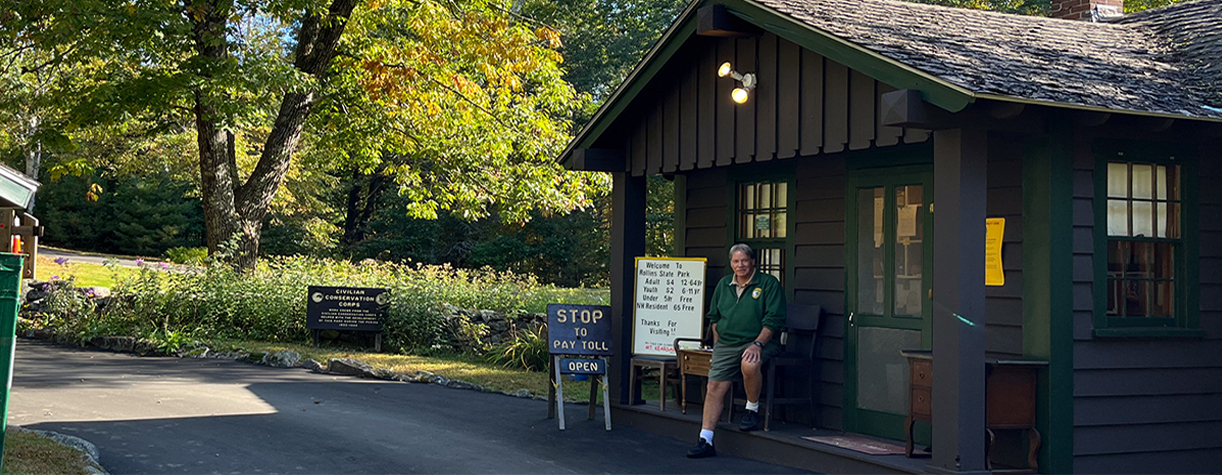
(346, 308)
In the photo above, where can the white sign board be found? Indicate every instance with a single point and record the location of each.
(669, 303)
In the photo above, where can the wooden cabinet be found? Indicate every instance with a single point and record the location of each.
(1009, 398)
(693, 362)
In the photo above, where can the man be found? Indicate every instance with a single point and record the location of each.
(746, 310)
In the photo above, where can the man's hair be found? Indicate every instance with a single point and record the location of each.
(743, 248)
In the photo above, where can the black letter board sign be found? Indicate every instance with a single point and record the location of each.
(579, 329)
(346, 308)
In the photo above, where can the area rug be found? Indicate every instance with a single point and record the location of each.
(858, 444)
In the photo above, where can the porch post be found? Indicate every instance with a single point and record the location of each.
(960, 183)
(627, 242)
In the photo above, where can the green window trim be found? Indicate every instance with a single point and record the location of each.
(1184, 321)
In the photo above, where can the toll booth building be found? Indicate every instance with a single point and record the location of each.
(862, 145)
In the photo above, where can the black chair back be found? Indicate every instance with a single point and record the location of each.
(803, 317)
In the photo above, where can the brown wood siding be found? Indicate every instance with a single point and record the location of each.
(804, 105)
(1148, 405)
(1004, 321)
(819, 270)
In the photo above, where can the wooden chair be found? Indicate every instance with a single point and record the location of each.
(801, 320)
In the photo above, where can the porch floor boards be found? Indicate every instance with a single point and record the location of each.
(782, 445)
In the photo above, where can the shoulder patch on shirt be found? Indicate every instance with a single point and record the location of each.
(755, 294)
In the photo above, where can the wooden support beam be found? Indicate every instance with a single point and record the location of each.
(627, 242)
(599, 160)
(960, 184)
(715, 20)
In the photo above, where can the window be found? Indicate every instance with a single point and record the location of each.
(1145, 248)
(762, 223)
(1143, 243)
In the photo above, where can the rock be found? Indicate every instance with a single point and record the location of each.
(255, 358)
(456, 384)
(115, 343)
(313, 365)
(386, 374)
(427, 377)
(521, 393)
(351, 366)
(95, 292)
(200, 352)
(282, 359)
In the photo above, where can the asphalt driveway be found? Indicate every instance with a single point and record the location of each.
(170, 415)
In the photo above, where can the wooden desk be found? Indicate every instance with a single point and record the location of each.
(695, 362)
(1009, 398)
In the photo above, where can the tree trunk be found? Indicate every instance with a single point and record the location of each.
(33, 159)
(233, 211)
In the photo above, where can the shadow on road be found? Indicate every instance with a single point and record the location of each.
(297, 422)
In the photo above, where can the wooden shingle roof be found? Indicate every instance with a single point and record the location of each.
(1163, 61)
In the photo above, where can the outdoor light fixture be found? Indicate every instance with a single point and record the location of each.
(740, 94)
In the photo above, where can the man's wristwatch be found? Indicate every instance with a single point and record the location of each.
(757, 343)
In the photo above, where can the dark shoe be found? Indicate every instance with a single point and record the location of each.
(751, 421)
(701, 450)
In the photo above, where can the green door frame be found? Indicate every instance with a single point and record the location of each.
(865, 420)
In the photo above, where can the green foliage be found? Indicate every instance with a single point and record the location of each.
(269, 304)
(1132, 6)
(528, 350)
(604, 39)
(136, 215)
(1021, 7)
(192, 256)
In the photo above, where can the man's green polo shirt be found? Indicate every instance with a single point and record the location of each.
(739, 319)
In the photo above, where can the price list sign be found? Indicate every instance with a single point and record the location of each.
(669, 303)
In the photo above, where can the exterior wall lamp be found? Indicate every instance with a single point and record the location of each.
(748, 81)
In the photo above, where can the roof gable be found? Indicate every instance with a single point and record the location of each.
(955, 56)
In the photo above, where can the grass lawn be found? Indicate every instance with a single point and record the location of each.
(86, 274)
(472, 370)
(30, 453)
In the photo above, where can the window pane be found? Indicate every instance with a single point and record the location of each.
(1163, 266)
(1117, 218)
(1169, 220)
(1116, 251)
(749, 196)
(778, 224)
(1160, 182)
(1140, 262)
(1163, 304)
(1143, 181)
(1117, 180)
(870, 234)
(1114, 302)
(782, 195)
(1137, 297)
(908, 253)
(765, 195)
(1143, 218)
(1168, 182)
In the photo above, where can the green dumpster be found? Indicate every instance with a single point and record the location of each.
(10, 297)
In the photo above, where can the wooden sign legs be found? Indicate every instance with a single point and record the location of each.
(556, 395)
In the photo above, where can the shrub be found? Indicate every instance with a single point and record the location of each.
(528, 350)
(192, 256)
(269, 304)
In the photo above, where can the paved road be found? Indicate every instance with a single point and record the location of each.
(78, 257)
(169, 415)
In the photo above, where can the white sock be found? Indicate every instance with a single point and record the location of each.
(753, 406)
(707, 435)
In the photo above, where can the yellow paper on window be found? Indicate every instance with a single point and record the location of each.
(994, 274)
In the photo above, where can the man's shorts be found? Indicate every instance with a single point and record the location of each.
(727, 360)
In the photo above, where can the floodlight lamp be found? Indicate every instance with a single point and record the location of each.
(739, 95)
(725, 70)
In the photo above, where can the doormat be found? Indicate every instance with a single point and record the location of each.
(859, 444)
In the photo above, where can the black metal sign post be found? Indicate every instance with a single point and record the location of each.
(579, 330)
(347, 308)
